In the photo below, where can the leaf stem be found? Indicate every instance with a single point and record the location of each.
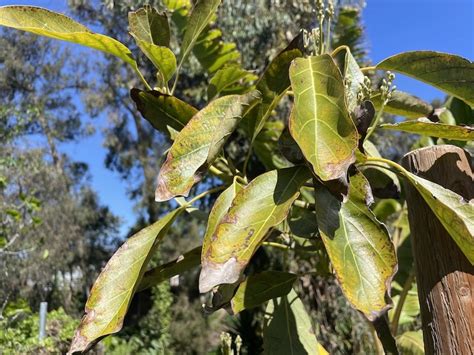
(389, 162)
(205, 193)
(401, 301)
(276, 245)
(142, 78)
(247, 159)
(303, 204)
(367, 69)
(328, 34)
(373, 126)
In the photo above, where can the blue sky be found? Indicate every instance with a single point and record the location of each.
(392, 26)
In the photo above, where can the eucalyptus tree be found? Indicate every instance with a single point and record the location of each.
(313, 193)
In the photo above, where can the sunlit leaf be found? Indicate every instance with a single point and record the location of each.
(199, 18)
(288, 328)
(213, 53)
(163, 111)
(450, 73)
(199, 142)
(54, 25)
(152, 34)
(354, 77)
(426, 127)
(227, 79)
(403, 104)
(358, 246)
(320, 122)
(113, 290)
(453, 211)
(273, 84)
(259, 288)
(164, 272)
(411, 343)
(262, 204)
(147, 24)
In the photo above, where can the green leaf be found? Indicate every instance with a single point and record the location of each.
(273, 84)
(426, 127)
(260, 288)
(302, 222)
(288, 328)
(383, 181)
(266, 146)
(213, 53)
(113, 290)
(358, 246)
(164, 272)
(403, 104)
(161, 57)
(453, 211)
(320, 122)
(152, 34)
(227, 79)
(411, 343)
(200, 16)
(461, 111)
(261, 205)
(355, 78)
(54, 25)
(199, 143)
(147, 24)
(163, 111)
(447, 72)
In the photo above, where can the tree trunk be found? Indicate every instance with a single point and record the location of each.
(444, 276)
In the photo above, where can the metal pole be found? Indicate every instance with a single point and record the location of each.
(42, 320)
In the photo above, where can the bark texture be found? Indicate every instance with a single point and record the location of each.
(444, 276)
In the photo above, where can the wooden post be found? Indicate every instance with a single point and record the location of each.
(444, 276)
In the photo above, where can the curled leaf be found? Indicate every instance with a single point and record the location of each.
(262, 204)
(199, 143)
(113, 290)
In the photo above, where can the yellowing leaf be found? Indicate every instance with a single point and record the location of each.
(411, 343)
(54, 25)
(454, 213)
(262, 287)
(273, 84)
(426, 127)
(113, 290)
(220, 208)
(262, 204)
(164, 112)
(358, 246)
(199, 142)
(288, 328)
(447, 72)
(320, 122)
